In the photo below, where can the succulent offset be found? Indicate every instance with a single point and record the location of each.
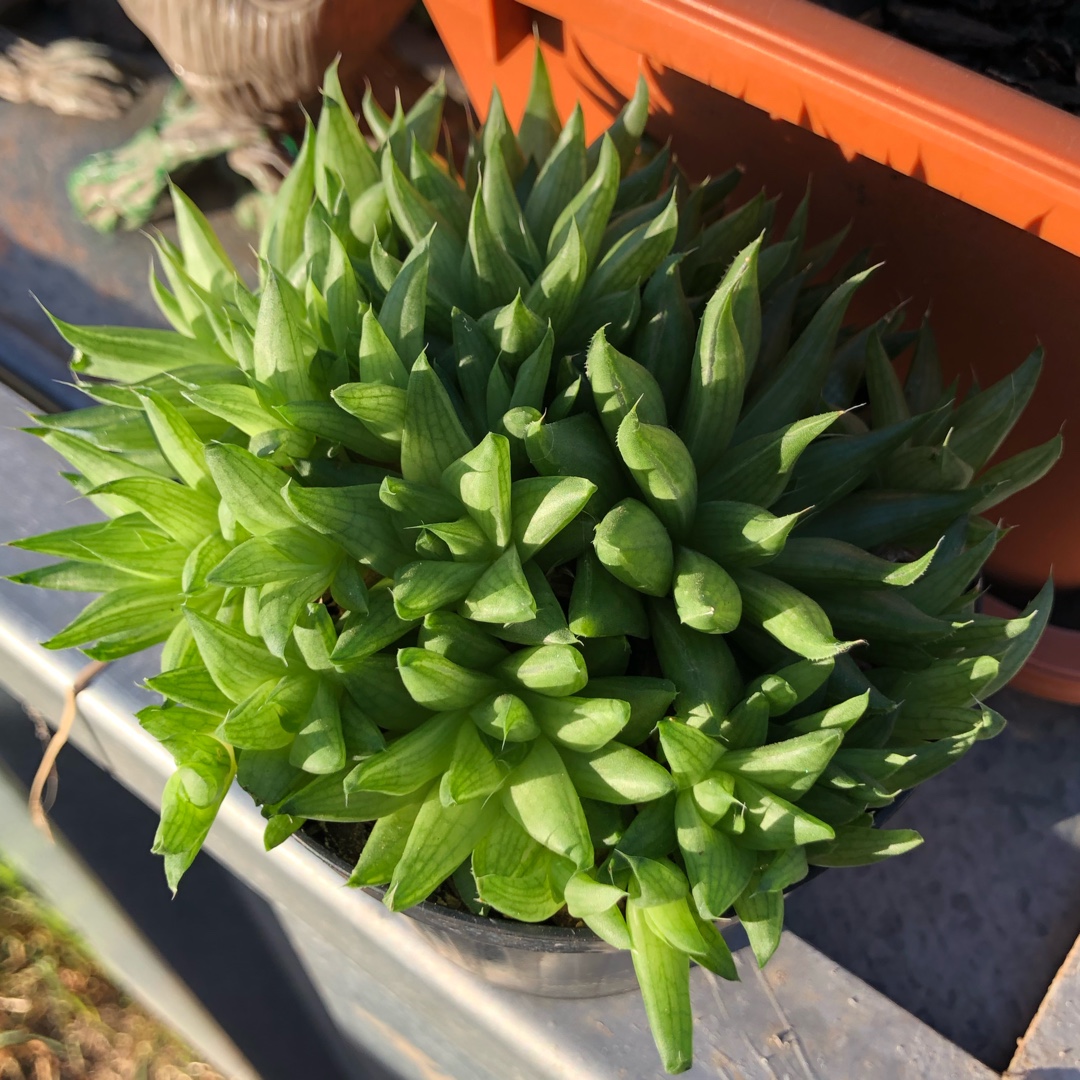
(535, 515)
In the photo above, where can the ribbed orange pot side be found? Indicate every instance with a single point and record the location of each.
(969, 191)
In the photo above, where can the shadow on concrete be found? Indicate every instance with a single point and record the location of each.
(967, 931)
(222, 939)
(33, 356)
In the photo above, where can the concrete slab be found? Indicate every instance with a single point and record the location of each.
(968, 930)
(1048, 1050)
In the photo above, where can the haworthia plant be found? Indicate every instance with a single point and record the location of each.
(535, 518)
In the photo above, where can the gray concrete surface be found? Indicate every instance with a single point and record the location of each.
(968, 930)
(1050, 1044)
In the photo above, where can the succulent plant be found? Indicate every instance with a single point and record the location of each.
(536, 516)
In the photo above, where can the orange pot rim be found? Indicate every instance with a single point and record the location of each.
(959, 131)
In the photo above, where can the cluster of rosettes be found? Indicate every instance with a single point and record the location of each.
(530, 516)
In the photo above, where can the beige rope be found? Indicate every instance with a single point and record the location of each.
(58, 741)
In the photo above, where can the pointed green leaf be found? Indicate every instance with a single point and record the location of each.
(579, 723)
(700, 665)
(788, 615)
(481, 480)
(237, 663)
(542, 506)
(636, 255)
(832, 467)
(619, 384)
(762, 916)
(663, 340)
(648, 699)
(552, 670)
(554, 293)
(793, 388)
(739, 534)
(706, 597)
(984, 420)
(410, 762)
(721, 366)
(384, 847)
(283, 347)
(758, 470)
(663, 469)
(251, 487)
(837, 717)
(822, 562)
(587, 896)
(129, 354)
(183, 513)
(789, 767)
(549, 625)
(179, 442)
(505, 717)
(204, 257)
(592, 204)
(473, 772)
(1018, 472)
(573, 447)
(504, 215)
(282, 240)
(460, 640)
(617, 774)
(402, 312)
(353, 517)
(515, 874)
(601, 605)
(255, 724)
(664, 975)
(561, 176)
(498, 137)
(690, 754)
(718, 869)
(125, 620)
(856, 845)
(432, 438)
(502, 594)
(634, 545)
(541, 797)
(540, 126)
(772, 823)
(495, 276)
(372, 630)
(440, 840)
(340, 148)
(438, 683)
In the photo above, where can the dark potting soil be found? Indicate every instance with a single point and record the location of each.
(1030, 45)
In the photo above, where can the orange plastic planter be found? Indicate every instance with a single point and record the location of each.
(976, 213)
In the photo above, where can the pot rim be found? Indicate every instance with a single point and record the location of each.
(987, 144)
(533, 937)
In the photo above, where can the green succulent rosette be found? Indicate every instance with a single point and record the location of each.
(550, 518)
